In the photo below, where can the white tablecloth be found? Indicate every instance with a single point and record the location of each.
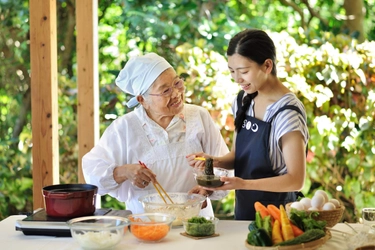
(232, 237)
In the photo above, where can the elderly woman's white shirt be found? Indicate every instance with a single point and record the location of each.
(135, 137)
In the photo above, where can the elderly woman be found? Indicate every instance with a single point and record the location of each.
(160, 132)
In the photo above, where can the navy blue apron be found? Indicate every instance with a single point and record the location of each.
(253, 162)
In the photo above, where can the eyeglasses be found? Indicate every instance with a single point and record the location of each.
(179, 84)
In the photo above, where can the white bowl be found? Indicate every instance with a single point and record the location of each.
(185, 205)
(98, 232)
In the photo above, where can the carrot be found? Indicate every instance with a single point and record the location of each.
(276, 233)
(296, 230)
(261, 208)
(286, 228)
(275, 213)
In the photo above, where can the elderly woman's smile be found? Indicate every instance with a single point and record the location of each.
(176, 104)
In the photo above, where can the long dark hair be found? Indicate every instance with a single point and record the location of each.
(257, 46)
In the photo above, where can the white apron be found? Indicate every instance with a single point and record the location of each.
(167, 161)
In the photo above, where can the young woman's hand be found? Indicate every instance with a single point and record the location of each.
(197, 163)
(230, 183)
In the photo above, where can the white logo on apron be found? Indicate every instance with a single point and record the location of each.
(248, 125)
(244, 123)
(255, 127)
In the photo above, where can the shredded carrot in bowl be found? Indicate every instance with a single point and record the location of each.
(150, 231)
(150, 227)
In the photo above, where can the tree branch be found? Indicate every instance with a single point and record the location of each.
(313, 13)
(297, 9)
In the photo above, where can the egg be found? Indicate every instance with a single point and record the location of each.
(313, 209)
(322, 192)
(317, 201)
(306, 202)
(335, 202)
(297, 205)
(328, 206)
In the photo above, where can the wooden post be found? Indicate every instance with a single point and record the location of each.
(87, 75)
(355, 14)
(44, 105)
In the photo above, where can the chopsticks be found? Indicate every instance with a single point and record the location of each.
(157, 186)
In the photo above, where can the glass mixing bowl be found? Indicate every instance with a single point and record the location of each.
(185, 205)
(98, 232)
(150, 227)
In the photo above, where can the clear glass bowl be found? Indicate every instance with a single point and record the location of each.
(201, 229)
(210, 180)
(98, 232)
(185, 205)
(150, 227)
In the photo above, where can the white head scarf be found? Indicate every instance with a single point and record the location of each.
(139, 73)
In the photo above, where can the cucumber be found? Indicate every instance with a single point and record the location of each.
(310, 235)
(252, 226)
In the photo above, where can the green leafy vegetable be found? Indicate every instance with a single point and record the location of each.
(305, 221)
(199, 226)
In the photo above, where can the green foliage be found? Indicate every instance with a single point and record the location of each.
(333, 79)
(322, 63)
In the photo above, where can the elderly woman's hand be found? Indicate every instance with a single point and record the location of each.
(137, 174)
(201, 191)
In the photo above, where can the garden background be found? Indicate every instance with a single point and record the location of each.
(325, 52)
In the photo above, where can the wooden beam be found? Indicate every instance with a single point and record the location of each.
(44, 105)
(87, 75)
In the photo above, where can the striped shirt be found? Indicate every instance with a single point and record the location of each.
(286, 121)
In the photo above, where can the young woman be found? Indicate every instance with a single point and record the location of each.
(269, 152)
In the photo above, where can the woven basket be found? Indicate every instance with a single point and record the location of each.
(305, 246)
(332, 217)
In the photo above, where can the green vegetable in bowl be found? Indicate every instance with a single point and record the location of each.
(199, 226)
(199, 220)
